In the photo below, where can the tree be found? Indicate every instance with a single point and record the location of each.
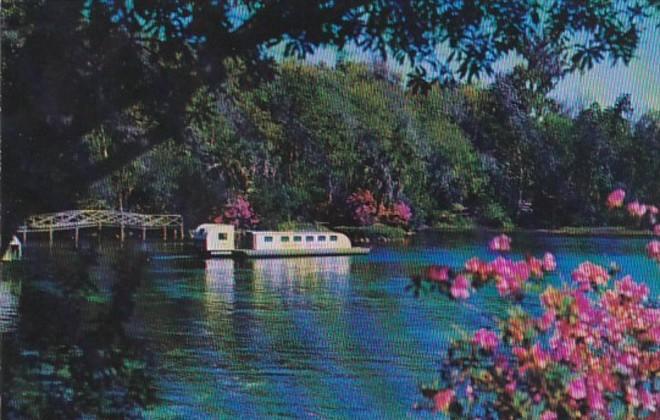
(71, 67)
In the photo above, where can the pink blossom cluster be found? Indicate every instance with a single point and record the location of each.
(363, 204)
(584, 355)
(501, 243)
(486, 339)
(615, 198)
(508, 275)
(239, 213)
(366, 211)
(653, 250)
(398, 214)
(638, 210)
(594, 348)
(589, 275)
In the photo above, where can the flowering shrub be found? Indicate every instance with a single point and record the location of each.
(585, 356)
(365, 211)
(637, 211)
(239, 213)
(500, 243)
(399, 214)
(592, 352)
(363, 205)
(509, 276)
(615, 199)
(653, 249)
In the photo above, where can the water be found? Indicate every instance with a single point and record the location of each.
(300, 337)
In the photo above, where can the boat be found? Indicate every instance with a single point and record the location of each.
(216, 239)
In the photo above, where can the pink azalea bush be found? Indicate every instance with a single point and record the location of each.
(238, 212)
(363, 205)
(591, 353)
(366, 212)
(588, 353)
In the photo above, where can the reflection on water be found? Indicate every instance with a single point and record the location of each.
(295, 337)
(7, 308)
(70, 355)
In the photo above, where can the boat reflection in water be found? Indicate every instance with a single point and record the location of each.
(281, 275)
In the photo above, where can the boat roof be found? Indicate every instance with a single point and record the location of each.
(294, 232)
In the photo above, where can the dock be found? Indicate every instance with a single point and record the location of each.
(83, 219)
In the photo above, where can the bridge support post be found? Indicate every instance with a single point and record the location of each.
(181, 227)
(50, 236)
(174, 231)
(122, 234)
(144, 233)
(164, 233)
(25, 236)
(77, 235)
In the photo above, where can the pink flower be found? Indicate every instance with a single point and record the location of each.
(510, 387)
(588, 274)
(486, 339)
(615, 199)
(628, 288)
(438, 273)
(577, 389)
(540, 357)
(545, 322)
(595, 399)
(443, 399)
(238, 212)
(656, 230)
(653, 249)
(535, 266)
(501, 243)
(548, 415)
(648, 400)
(635, 209)
(549, 263)
(459, 290)
(400, 213)
(653, 210)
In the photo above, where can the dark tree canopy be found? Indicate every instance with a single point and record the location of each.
(131, 67)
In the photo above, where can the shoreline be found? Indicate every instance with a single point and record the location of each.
(564, 231)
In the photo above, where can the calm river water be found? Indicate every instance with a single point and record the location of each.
(329, 337)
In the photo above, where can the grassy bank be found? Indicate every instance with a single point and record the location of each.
(376, 232)
(567, 231)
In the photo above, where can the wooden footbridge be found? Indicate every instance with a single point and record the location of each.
(81, 219)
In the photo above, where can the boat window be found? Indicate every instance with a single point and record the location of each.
(333, 238)
(321, 238)
(309, 239)
(268, 239)
(222, 236)
(284, 239)
(297, 239)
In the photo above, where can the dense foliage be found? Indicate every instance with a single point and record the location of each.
(349, 145)
(132, 69)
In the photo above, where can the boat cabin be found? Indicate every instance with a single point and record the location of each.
(294, 241)
(215, 238)
(220, 239)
